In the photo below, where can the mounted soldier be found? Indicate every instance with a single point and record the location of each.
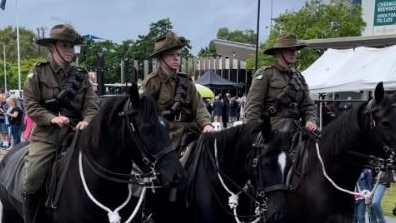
(57, 96)
(177, 97)
(279, 92)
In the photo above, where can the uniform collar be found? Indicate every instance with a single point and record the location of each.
(166, 78)
(55, 67)
(282, 69)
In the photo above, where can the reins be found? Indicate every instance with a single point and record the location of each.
(144, 180)
(233, 199)
(380, 163)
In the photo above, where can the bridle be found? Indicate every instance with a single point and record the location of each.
(147, 179)
(379, 163)
(144, 180)
(258, 199)
(373, 161)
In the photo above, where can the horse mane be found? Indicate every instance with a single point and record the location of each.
(341, 132)
(108, 121)
(234, 136)
(102, 121)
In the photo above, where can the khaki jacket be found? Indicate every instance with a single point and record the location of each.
(45, 82)
(166, 86)
(268, 83)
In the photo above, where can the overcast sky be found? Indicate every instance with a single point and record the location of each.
(118, 20)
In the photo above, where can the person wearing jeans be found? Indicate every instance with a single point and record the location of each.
(363, 186)
(376, 212)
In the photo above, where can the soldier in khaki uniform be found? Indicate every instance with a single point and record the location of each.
(281, 93)
(178, 99)
(57, 95)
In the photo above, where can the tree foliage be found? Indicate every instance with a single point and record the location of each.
(316, 20)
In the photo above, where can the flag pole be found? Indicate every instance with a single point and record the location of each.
(257, 35)
(5, 69)
(18, 50)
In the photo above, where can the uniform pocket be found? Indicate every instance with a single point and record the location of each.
(276, 87)
(49, 89)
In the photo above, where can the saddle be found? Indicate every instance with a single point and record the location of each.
(299, 154)
(14, 171)
(185, 146)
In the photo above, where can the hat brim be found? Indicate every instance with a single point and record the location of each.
(158, 52)
(271, 51)
(47, 41)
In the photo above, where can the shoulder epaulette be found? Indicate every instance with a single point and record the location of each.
(81, 70)
(260, 72)
(40, 64)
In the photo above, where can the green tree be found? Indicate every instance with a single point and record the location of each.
(28, 48)
(127, 51)
(29, 55)
(316, 20)
(144, 45)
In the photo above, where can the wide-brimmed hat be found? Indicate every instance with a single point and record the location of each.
(167, 42)
(61, 32)
(285, 41)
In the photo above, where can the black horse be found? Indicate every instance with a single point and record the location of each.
(96, 186)
(223, 166)
(347, 144)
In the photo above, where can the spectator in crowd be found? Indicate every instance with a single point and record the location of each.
(217, 109)
(15, 117)
(209, 107)
(376, 211)
(242, 102)
(233, 109)
(5, 137)
(363, 186)
(225, 110)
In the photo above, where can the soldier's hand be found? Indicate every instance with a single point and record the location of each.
(208, 128)
(60, 121)
(82, 125)
(310, 126)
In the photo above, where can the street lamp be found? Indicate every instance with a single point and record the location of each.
(100, 75)
(77, 51)
(257, 36)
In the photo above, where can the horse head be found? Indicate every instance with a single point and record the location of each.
(130, 129)
(380, 117)
(268, 171)
(151, 134)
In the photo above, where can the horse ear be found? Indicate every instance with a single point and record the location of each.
(134, 95)
(379, 92)
(266, 127)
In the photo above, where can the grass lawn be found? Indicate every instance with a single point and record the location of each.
(389, 200)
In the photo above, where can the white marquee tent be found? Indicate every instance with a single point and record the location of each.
(356, 69)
